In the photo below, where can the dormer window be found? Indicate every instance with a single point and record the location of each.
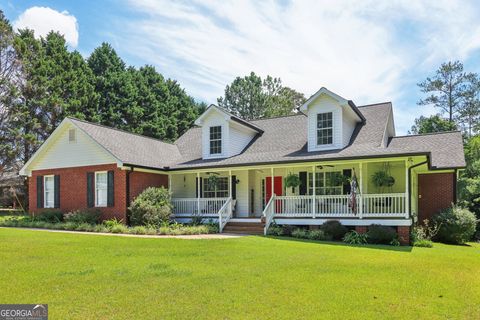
(324, 128)
(216, 140)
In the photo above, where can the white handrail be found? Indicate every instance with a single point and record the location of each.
(268, 213)
(225, 214)
(197, 206)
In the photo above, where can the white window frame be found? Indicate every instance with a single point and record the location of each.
(207, 193)
(210, 140)
(50, 191)
(321, 183)
(96, 189)
(317, 131)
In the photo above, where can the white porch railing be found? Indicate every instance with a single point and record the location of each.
(225, 214)
(268, 213)
(384, 205)
(337, 206)
(197, 206)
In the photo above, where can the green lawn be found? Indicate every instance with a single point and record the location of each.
(104, 277)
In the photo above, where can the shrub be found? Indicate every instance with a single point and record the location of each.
(353, 237)
(378, 234)
(319, 235)
(115, 226)
(457, 225)
(425, 231)
(49, 216)
(423, 243)
(275, 230)
(138, 230)
(300, 233)
(83, 216)
(152, 207)
(334, 229)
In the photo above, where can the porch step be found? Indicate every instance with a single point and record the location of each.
(244, 227)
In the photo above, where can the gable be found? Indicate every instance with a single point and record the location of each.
(58, 152)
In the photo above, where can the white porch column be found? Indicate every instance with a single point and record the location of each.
(198, 193)
(170, 176)
(360, 188)
(273, 177)
(314, 192)
(407, 193)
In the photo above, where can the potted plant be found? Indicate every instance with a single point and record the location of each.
(292, 181)
(382, 179)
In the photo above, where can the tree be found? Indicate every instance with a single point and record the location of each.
(251, 97)
(446, 89)
(469, 113)
(9, 78)
(432, 124)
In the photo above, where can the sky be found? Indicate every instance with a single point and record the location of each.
(365, 51)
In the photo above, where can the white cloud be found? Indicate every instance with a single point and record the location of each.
(367, 51)
(43, 20)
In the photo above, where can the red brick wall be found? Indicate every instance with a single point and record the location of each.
(73, 188)
(436, 191)
(139, 181)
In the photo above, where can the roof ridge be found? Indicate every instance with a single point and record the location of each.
(276, 117)
(120, 130)
(375, 104)
(427, 134)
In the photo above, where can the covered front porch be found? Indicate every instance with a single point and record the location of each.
(267, 193)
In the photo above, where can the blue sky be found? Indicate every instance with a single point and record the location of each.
(366, 51)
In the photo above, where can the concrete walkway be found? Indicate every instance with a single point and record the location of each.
(186, 237)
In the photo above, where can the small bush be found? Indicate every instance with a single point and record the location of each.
(334, 229)
(300, 233)
(83, 216)
(319, 235)
(457, 225)
(85, 227)
(52, 216)
(138, 230)
(425, 231)
(275, 230)
(115, 226)
(353, 237)
(378, 234)
(423, 243)
(152, 207)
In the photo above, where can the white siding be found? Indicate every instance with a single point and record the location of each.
(348, 126)
(60, 153)
(242, 193)
(239, 139)
(215, 118)
(234, 136)
(321, 105)
(183, 185)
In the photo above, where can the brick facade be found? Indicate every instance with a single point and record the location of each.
(436, 191)
(403, 235)
(361, 229)
(73, 188)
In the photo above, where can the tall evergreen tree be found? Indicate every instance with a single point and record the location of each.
(432, 124)
(446, 90)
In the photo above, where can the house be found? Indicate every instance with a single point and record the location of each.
(327, 144)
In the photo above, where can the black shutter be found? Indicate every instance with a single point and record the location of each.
(110, 188)
(234, 187)
(39, 191)
(303, 183)
(90, 189)
(346, 186)
(56, 190)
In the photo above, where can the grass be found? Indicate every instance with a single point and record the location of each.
(98, 277)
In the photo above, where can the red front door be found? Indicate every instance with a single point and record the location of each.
(277, 187)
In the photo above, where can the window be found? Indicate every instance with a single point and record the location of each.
(49, 191)
(72, 138)
(326, 183)
(221, 190)
(216, 140)
(101, 188)
(324, 128)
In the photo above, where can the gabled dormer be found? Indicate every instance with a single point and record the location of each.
(224, 134)
(331, 120)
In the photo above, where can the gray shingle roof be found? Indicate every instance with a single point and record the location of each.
(131, 148)
(284, 139)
